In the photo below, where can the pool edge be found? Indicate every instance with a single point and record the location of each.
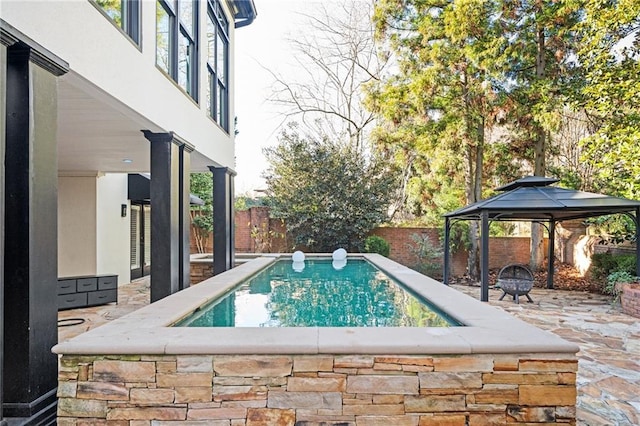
(486, 330)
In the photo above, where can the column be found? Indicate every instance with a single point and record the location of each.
(484, 256)
(223, 225)
(29, 368)
(3, 79)
(184, 270)
(637, 219)
(165, 214)
(552, 253)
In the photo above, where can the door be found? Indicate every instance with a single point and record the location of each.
(140, 240)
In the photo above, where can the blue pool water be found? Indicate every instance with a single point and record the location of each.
(358, 295)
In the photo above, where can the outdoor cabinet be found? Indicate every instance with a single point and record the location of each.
(83, 291)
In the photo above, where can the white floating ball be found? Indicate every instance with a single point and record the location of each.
(298, 256)
(340, 254)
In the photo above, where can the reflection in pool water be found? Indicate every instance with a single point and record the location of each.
(319, 295)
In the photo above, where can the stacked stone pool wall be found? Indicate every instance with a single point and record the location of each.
(139, 370)
(317, 390)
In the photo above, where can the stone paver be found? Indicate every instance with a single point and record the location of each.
(609, 359)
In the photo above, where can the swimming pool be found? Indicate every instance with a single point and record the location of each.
(319, 295)
(493, 370)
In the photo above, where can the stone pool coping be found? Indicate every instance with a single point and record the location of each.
(487, 330)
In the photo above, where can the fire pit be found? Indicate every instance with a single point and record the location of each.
(515, 280)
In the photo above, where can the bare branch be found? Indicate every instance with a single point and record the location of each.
(338, 57)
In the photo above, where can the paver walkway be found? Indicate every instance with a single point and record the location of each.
(609, 359)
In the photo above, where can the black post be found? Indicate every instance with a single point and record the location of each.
(552, 252)
(165, 227)
(3, 79)
(637, 241)
(29, 370)
(445, 266)
(484, 255)
(223, 219)
(184, 251)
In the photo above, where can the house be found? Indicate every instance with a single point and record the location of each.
(91, 93)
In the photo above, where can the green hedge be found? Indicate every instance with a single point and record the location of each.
(376, 244)
(604, 264)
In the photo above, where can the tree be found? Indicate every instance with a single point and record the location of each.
(566, 152)
(610, 54)
(437, 108)
(338, 58)
(329, 194)
(540, 76)
(201, 185)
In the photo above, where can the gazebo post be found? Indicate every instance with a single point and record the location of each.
(637, 241)
(445, 266)
(484, 256)
(552, 250)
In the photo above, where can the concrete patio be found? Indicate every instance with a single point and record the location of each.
(609, 360)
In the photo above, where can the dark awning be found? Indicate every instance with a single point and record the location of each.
(139, 188)
(531, 198)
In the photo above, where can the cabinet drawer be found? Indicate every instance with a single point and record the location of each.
(86, 284)
(102, 296)
(68, 301)
(107, 283)
(66, 286)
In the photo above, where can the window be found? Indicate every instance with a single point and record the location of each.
(125, 14)
(217, 64)
(176, 47)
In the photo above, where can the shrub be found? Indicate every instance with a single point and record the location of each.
(428, 257)
(627, 263)
(376, 244)
(330, 194)
(604, 264)
(615, 278)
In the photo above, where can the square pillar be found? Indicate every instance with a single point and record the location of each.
(3, 87)
(223, 219)
(184, 269)
(30, 270)
(170, 220)
(165, 224)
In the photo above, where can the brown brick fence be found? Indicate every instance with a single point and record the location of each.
(256, 232)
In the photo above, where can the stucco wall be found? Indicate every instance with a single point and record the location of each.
(92, 236)
(77, 250)
(113, 230)
(102, 57)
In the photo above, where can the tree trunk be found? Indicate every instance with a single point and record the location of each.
(473, 262)
(537, 231)
(474, 193)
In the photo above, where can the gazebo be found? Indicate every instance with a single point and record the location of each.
(532, 199)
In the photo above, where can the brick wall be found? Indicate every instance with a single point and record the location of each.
(630, 299)
(200, 271)
(243, 231)
(256, 220)
(288, 390)
(503, 250)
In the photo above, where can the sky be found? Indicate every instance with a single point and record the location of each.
(263, 44)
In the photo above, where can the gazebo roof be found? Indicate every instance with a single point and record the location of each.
(532, 198)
